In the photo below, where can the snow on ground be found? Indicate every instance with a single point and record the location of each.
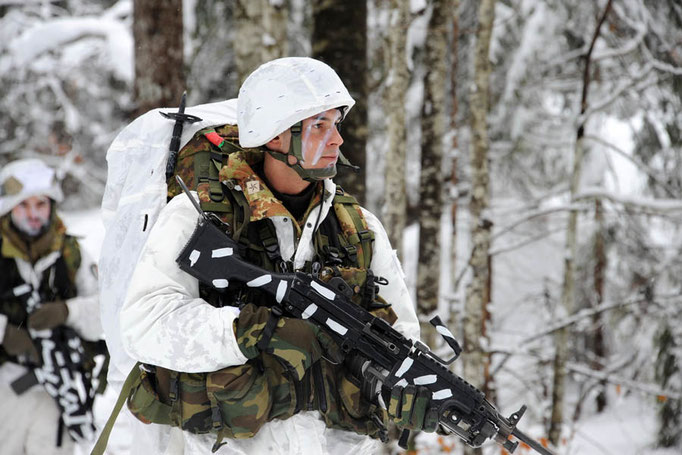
(627, 427)
(87, 226)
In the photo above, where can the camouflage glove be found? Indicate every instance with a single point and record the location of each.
(295, 342)
(48, 316)
(17, 341)
(410, 408)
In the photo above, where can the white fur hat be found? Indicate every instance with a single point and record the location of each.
(21, 179)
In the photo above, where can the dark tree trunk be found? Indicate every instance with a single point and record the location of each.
(340, 40)
(159, 69)
(598, 342)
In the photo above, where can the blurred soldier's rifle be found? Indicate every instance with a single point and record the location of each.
(61, 369)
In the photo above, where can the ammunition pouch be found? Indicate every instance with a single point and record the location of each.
(235, 402)
(348, 409)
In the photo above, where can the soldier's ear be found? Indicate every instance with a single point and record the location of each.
(275, 143)
(279, 143)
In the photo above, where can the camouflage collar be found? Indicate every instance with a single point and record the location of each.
(14, 245)
(261, 200)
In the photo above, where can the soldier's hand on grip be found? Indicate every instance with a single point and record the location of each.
(48, 316)
(17, 341)
(295, 342)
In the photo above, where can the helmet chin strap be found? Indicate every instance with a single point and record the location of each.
(296, 150)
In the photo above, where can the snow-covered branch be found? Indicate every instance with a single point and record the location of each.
(653, 206)
(627, 48)
(562, 60)
(651, 389)
(640, 165)
(519, 348)
(668, 299)
(667, 68)
(537, 214)
(617, 92)
(525, 242)
(43, 37)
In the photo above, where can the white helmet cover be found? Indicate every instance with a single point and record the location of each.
(21, 179)
(282, 92)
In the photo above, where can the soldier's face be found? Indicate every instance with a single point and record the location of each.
(321, 139)
(32, 215)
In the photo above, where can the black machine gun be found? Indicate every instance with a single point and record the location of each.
(385, 355)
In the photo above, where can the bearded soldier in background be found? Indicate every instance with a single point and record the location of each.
(48, 307)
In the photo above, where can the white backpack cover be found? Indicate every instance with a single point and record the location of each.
(134, 195)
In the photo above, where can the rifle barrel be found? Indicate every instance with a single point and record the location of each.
(523, 437)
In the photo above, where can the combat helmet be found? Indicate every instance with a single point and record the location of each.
(279, 95)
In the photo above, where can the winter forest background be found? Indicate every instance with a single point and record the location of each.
(525, 156)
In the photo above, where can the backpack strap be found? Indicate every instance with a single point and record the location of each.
(207, 168)
(268, 237)
(132, 381)
(354, 226)
(238, 197)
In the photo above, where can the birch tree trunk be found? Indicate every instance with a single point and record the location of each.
(476, 298)
(340, 40)
(159, 69)
(568, 287)
(454, 150)
(431, 179)
(395, 206)
(261, 34)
